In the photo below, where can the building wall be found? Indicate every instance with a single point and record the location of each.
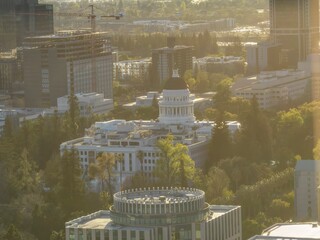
(306, 182)
(164, 60)
(8, 73)
(52, 70)
(32, 77)
(225, 226)
(295, 25)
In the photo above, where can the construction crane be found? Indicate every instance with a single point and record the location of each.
(92, 18)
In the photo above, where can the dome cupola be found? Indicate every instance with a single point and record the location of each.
(176, 107)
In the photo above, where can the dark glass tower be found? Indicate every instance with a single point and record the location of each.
(295, 25)
(23, 18)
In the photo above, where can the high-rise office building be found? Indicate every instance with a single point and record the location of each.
(165, 59)
(295, 25)
(56, 65)
(23, 18)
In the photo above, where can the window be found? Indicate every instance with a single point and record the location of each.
(141, 235)
(133, 235)
(97, 234)
(89, 236)
(106, 234)
(115, 234)
(124, 235)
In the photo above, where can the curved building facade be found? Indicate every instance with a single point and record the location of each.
(176, 107)
(159, 214)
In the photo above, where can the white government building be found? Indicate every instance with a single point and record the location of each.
(159, 214)
(273, 87)
(136, 140)
(88, 103)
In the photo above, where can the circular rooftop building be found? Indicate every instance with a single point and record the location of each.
(159, 206)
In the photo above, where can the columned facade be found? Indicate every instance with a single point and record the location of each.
(176, 107)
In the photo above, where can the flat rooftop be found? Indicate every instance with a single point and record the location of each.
(291, 231)
(99, 220)
(159, 195)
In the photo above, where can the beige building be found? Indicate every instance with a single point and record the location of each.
(56, 65)
(273, 87)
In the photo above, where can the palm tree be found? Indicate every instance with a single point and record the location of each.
(103, 170)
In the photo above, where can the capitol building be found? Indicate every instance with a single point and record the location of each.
(159, 214)
(136, 141)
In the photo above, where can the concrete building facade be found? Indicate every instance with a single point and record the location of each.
(89, 103)
(22, 19)
(8, 71)
(159, 214)
(273, 87)
(262, 56)
(295, 25)
(165, 59)
(69, 61)
(137, 70)
(306, 183)
(228, 65)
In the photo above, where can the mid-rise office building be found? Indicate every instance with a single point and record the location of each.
(306, 182)
(295, 25)
(69, 61)
(272, 88)
(262, 56)
(23, 18)
(165, 59)
(136, 140)
(159, 213)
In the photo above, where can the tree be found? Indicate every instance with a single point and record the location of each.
(290, 136)
(189, 79)
(8, 128)
(73, 115)
(26, 179)
(202, 81)
(217, 182)
(70, 186)
(254, 140)
(174, 167)
(57, 235)
(221, 145)
(316, 151)
(103, 170)
(222, 97)
(12, 233)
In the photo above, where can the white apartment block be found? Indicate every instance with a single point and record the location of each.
(136, 140)
(272, 88)
(306, 182)
(88, 103)
(159, 213)
(224, 64)
(132, 69)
